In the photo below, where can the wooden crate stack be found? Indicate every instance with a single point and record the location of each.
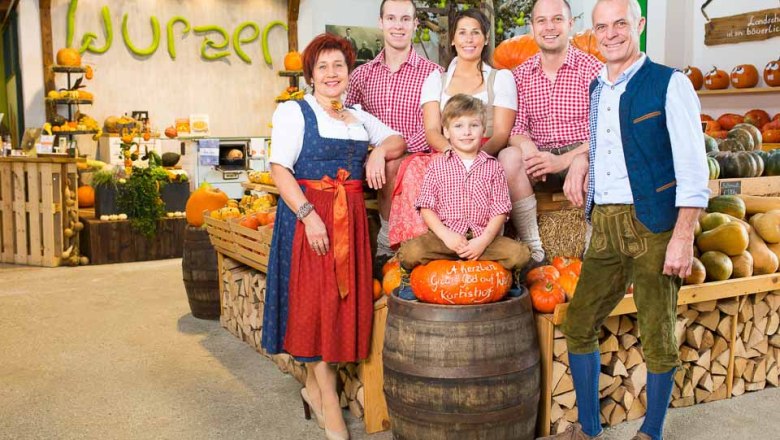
(757, 344)
(243, 302)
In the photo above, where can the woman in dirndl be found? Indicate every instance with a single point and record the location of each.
(319, 303)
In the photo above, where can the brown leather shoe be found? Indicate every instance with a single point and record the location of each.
(641, 436)
(572, 432)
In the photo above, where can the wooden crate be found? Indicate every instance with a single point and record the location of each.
(34, 210)
(107, 242)
(229, 238)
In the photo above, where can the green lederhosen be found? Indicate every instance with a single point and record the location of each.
(622, 250)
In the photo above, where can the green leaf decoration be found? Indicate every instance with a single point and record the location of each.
(208, 43)
(89, 37)
(171, 42)
(238, 41)
(155, 38)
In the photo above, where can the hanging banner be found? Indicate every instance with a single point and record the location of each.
(751, 26)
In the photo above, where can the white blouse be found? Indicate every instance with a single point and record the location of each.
(504, 89)
(289, 125)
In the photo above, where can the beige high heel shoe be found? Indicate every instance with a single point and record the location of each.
(308, 408)
(335, 435)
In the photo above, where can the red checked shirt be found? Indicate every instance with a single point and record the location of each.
(394, 97)
(555, 114)
(463, 199)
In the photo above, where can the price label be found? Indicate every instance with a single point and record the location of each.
(731, 188)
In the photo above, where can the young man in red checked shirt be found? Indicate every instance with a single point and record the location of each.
(389, 88)
(551, 127)
(464, 199)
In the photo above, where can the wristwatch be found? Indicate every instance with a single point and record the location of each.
(304, 210)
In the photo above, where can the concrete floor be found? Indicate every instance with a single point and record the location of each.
(112, 352)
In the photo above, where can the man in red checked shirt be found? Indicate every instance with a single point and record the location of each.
(389, 87)
(551, 127)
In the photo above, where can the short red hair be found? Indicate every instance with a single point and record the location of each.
(322, 43)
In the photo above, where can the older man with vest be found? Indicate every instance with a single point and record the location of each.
(646, 185)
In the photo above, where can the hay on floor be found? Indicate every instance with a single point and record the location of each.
(562, 232)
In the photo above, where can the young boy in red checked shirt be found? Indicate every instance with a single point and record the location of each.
(464, 199)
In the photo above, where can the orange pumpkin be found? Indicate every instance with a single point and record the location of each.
(744, 76)
(86, 196)
(541, 273)
(250, 222)
(727, 121)
(567, 263)
(293, 61)
(716, 79)
(390, 265)
(460, 282)
(68, 57)
(205, 198)
(568, 282)
(377, 288)
(586, 42)
(719, 134)
(545, 295)
(391, 279)
(694, 74)
(89, 73)
(711, 126)
(705, 117)
(514, 51)
(757, 117)
(771, 136)
(772, 73)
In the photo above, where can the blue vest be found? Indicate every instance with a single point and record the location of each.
(646, 145)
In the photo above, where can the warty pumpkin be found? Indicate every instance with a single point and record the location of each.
(460, 282)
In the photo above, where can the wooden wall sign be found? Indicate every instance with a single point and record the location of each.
(751, 26)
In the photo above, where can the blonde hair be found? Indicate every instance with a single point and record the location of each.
(463, 105)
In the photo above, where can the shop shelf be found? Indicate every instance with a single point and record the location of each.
(68, 69)
(750, 91)
(69, 101)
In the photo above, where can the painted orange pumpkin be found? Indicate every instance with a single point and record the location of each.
(716, 79)
(86, 196)
(205, 198)
(772, 73)
(293, 61)
(744, 76)
(68, 57)
(460, 282)
(694, 74)
(514, 51)
(546, 295)
(541, 273)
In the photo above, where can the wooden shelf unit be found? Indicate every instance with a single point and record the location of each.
(732, 91)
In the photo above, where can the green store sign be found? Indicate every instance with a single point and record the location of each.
(215, 45)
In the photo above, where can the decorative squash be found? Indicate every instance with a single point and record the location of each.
(698, 273)
(514, 51)
(586, 42)
(460, 282)
(392, 278)
(744, 76)
(731, 145)
(710, 144)
(694, 74)
(377, 289)
(568, 282)
(752, 131)
(712, 220)
(757, 118)
(727, 121)
(764, 158)
(567, 263)
(86, 196)
(68, 57)
(711, 126)
(730, 238)
(743, 136)
(758, 161)
(764, 260)
(760, 204)
(735, 164)
(714, 168)
(767, 225)
(545, 295)
(731, 205)
(771, 136)
(293, 61)
(717, 265)
(541, 273)
(772, 73)
(705, 117)
(721, 134)
(716, 79)
(205, 198)
(742, 265)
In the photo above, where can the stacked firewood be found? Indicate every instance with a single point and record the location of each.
(757, 345)
(243, 302)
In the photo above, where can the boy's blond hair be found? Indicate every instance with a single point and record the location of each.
(463, 105)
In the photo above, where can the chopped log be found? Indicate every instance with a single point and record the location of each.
(562, 425)
(706, 382)
(676, 392)
(740, 365)
(724, 357)
(688, 354)
(565, 385)
(729, 306)
(687, 389)
(773, 300)
(745, 312)
(622, 355)
(759, 297)
(691, 315)
(719, 394)
(604, 381)
(755, 386)
(718, 380)
(559, 347)
(724, 328)
(616, 368)
(773, 325)
(682, 308)
(616, 383)
(628, 399)
(759, 373)
(739, 348)
(558, 371)
(717, 368)
(747, 329)
(558, 334)
(618, 394)
(694, 335)
(752, 353)
(634, 358)
(704, 359)
(564, 358)
(710, 320)
(706, 306)
(556, 412)
(566, 400)
(612, 324)
(637, 379)
(626, 324)
(708, 341)
(773, 375)
(696, 374)
(738, 388)
(606, 358)
(680, 375)
(683, 402)
(719, 346)
(750, 368)
(627, 341)
(701, 395)
(356, 409)
(618, 415)
(609, 345)
(774, 341)
(679, 331)
(636, 410)
(761, 324)
(607, 407)
(571, 415)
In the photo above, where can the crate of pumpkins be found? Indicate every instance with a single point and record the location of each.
(735, 145)
(737, 236)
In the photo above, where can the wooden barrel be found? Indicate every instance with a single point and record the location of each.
(199, 267)
(461, 372)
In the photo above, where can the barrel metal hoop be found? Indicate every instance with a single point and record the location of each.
(464, 372)
(426, 416)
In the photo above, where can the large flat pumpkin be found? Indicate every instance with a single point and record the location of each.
(460, 282)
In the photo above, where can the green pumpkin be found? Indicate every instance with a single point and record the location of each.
(732, 145)
(714, 168)
(772, 163)
(754, 132)
(758, 161)
(744, 137)
(736, 164)
(710, 144)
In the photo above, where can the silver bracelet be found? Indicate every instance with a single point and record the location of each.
(304, 210)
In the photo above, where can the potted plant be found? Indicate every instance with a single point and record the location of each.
(139, 198)
(175, 192)
(105, 183)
